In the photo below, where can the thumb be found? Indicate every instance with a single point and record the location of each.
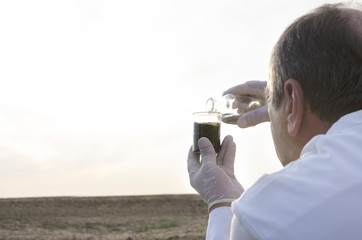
(207, 151)
(254, 117)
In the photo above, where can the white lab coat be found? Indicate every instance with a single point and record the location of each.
(319, 196)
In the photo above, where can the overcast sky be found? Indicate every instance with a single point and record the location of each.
(96, 97)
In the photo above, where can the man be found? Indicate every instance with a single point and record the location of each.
(314, 104)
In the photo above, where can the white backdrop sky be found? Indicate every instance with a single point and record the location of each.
(96, 96)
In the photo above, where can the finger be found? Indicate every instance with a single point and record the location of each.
(254, 105)
(229, 157)
(207, 151)
(221, 155)
(193, 162)
(251, 88)
(253, 118)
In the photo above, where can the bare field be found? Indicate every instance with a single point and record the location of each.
(125, 217)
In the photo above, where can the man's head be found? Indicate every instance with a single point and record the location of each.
(318, 60)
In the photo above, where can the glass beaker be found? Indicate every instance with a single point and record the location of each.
(227, 106)
(207, 124)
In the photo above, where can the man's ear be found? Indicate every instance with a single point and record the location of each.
(294, 96)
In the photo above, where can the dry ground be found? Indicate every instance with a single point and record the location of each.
(128, 217)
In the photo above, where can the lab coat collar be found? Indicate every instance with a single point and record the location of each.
(349, 120)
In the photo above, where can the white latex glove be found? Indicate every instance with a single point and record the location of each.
(246, 94)
(213, 178)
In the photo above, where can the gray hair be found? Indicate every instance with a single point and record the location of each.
(322, 50)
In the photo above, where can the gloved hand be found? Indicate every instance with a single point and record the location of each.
(250, 100)
(213, 178)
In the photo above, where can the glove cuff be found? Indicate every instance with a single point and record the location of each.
(219, 202)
